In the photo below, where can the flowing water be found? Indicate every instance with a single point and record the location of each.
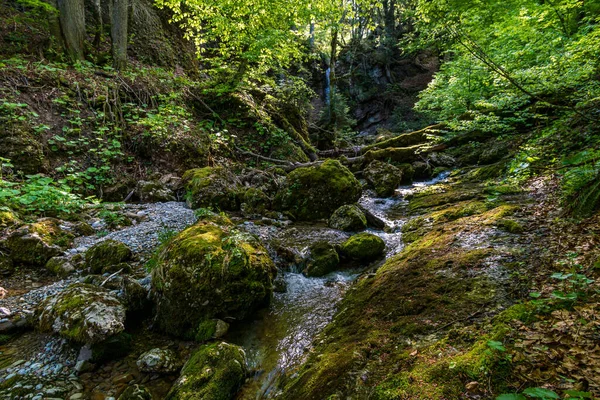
(281, 337)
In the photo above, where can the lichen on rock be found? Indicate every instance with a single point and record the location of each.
(82, 313)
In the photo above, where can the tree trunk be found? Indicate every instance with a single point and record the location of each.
(54, 27)
(72, 22)
(118, 33)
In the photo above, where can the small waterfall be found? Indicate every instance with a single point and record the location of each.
(327, 86)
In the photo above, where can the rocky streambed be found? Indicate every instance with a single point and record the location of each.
(112, 330)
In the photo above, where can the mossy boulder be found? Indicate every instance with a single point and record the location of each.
(212, 187)
(383, 177)
(106, 256)
(112, 348)
(363, 247)
(255, 201)
(408, 172)
(209, 271)
(323, 259)
(159, 361)
(315, 192)
(82, 313)
(36, 243)
(136, 392)
(348, 218)
(213, 372)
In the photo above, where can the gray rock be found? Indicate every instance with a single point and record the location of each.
(160, 361)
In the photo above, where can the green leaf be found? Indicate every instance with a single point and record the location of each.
(541, 393)
(575, 394)
(494, 345)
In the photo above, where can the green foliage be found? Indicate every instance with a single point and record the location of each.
(41, 195)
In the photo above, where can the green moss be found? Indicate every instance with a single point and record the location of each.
(363, 247)
(255, 201)
(106, 256)
(315, 192)
(206, 330)
(323, 259)
(112, 348)
(510, 226)
(213, 372)
(8, 218)
(210, 271)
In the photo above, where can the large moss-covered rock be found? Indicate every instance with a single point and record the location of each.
(212, 187)
(323, 259)
(60, 266)
(383, 177)
(209, 271)
(348, 218)
(363, 247)
(214, 372)
(315, 192)
(6, 265)
(82, 313)
(106, 255)
(36, 243)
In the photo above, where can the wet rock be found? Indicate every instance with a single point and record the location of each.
(408, 173)
(215, 371)
(207, 271)
(36, 243)
(82, 313)
(154, 191)
(323, 259)
(363, 247)
(106, 256)
(212, 187)
(315, 192)
(136, 392)
(159, 361)
(60, 266)
(348, 218)
(383, 177)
